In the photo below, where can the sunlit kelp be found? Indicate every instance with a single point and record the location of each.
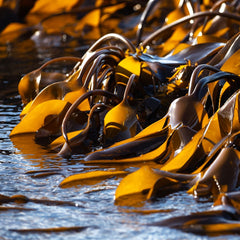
(167, 100)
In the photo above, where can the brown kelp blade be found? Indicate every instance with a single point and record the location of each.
(215, 179)
(225, 121)
(50, 230)
(75, 141)
(129, 149)
(212, 222)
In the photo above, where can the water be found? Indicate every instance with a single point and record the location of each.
(91, 208)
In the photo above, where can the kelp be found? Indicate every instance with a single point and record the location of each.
(89, 178)
(164, 101)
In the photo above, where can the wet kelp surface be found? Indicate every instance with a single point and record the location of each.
(120, 118)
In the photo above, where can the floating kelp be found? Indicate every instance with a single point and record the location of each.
(166, 100)
(49, 230)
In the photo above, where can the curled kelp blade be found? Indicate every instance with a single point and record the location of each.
(51, 92)
(77, 140)
(89, 178)
(200, 90)
(200, 145)
(123, 71)
(121, 120)
(73, 107)
(216, 90)
(29, 84)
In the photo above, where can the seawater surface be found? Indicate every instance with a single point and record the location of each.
(87, 211)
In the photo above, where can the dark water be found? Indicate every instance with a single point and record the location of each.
(24, 169)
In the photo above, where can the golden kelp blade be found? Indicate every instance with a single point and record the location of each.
(30, 84)
(89, 177)
(35, 81)
(138, 182)
(188, 154)
(129, 65)
(43, 6)
(171, 182)
(153, 129)
(74, 95)
(118, 120)
(60, 140)
(232, 64)
(60, 90)
(217, 229)
(51, 92)
(49, 114)
(121, 118)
